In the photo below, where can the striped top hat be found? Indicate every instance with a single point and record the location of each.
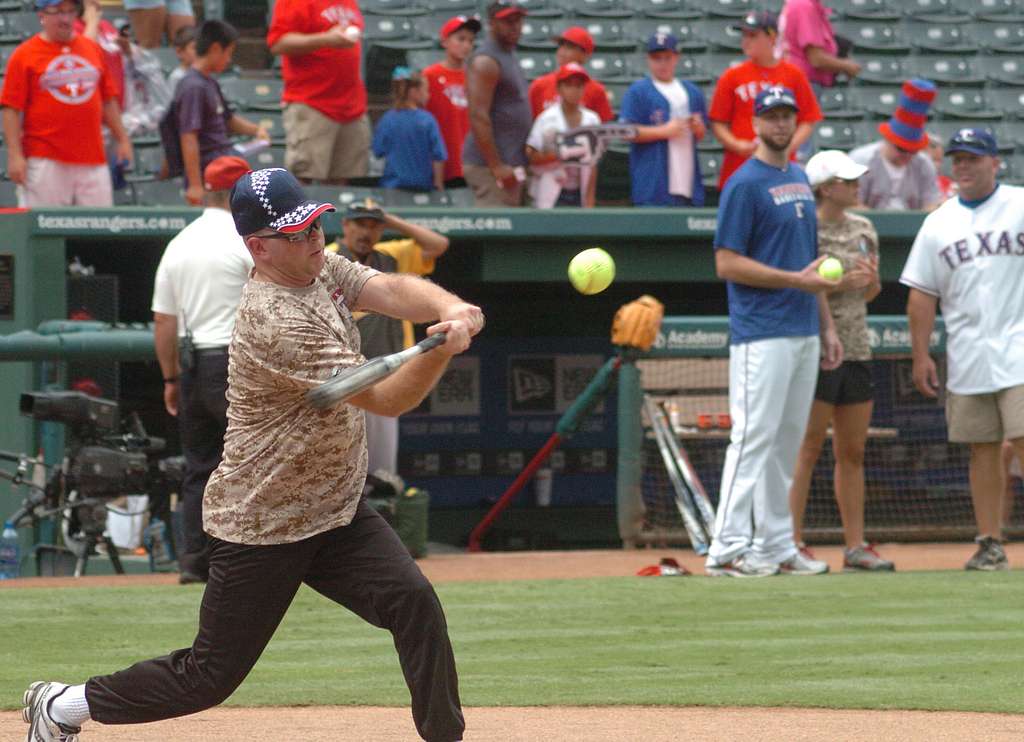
(905, 128)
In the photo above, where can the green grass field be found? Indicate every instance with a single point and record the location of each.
(941, 640)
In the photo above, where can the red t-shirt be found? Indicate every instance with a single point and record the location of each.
(544, 92)
(60, 89)
(733, 102)
(448, 104)
(327, 79)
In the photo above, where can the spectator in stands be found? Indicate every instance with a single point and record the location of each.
(808, 41)
(327, 131)
(151, 18)
(967, 256)
(408, 138)
(732, 106)
(554, 182)
(52, 122)
(843, 396)
(494, 154)
(575, 45)
(446, 85)
(670, 115)
(416, 253)
(113, 39)
(900, 174)
(198, 124)
(185, 49)
(196, 293)
(945, 184)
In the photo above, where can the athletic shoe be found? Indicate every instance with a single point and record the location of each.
(989, 557)
(864, 558)
(36, 714)
(741, 566)
(805, 550)
(798, 564)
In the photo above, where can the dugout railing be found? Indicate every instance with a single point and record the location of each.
(916, 482)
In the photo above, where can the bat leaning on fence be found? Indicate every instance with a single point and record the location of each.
(352, 381)
(700, 537)
(700, 495)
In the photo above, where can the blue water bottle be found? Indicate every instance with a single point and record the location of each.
(10, 553)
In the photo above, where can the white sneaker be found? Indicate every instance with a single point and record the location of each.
(36, 714)
(741, 566)
(801, 564)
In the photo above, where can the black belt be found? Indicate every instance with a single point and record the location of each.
(222, 351)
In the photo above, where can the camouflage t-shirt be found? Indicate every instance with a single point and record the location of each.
(848, 240)
(289, 471)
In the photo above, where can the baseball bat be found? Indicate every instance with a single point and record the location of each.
(699, 539)
(700, 495)
(353, 380)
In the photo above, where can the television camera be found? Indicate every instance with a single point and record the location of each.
(104, 459)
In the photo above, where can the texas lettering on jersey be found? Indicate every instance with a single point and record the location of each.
(988, 243)
(339, 15)
(790, 193)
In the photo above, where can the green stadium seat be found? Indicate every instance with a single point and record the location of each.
(5, 54)
(539, 33)
(840, 103)
(993, 10)
(160, 193)
(719, 32)
(968, 104)
(1001, 37)
(599, 9)
(710, 166)
(535, 64)
(18, 26)
(937, 11)
(148, 161)
(716, 64)
(454, 7)
(883, 69)
(273, 121)
(392, 7)
(8, 193)
(693, 69)
(340, 195)
(1011, 170)
(615, 90)
(253, 93)
(611, 34)
(948, 69)
(1010, 101)
(395, 32)
(1003, 69)
(542, 8)
(689, 34)
(124, 196)
(947, 38)
(674, 9)
(9, 6)
(865, 10)
(730, 8)
(392, 197)
(611, 66)
(874, 36)
(420, 59)
(879, 101)
(272, 156)
(836, 135)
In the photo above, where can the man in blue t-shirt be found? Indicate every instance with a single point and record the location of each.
(671, 118)
(766, 249)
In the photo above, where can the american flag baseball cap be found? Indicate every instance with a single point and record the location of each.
(272, 199)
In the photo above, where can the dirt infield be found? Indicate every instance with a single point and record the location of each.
(560, 724)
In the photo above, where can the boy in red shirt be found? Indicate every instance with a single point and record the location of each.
(732, 107)
(575, 45)
(327, 132)
(446, 82)
(56, 94)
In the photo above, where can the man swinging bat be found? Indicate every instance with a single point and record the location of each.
(284, 506)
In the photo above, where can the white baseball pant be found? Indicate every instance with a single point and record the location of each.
(771, 387)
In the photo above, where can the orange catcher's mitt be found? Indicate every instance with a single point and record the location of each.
(636, 324)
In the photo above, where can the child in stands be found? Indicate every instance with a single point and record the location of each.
(408, 138)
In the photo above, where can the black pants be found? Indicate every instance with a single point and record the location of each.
(363, 566)
(202, 422)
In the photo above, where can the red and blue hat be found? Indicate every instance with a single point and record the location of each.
(274, 199)
(905, 128)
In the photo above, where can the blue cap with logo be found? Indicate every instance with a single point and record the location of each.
(974, 140)
(774, 97)
(274, 199)
(40, 4)
(662, 42)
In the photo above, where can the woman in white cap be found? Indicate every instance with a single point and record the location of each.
(844, 396)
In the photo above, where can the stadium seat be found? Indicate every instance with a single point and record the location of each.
(865, 10)
(836, 135)
(840, 103)
(599, 9)
(148, 161)
(948, 38)
(454, 7)
(539, 33)
(993, 10)
(8, 193)
(1010, 101)
(420, 59)
(340, 195)
(693, 69)
(674, 9)
(716, 64)
(392, 7)
(615, 92)
(611, 34)
(883, 69)
(16, 27)
(936, 11)
(124, 196)
(730, 8)
(613, 66)
(1011, 169)
(719, 31)
(167, 57)
(542, 8)
(874, 36)
(535, 64)
(5, 53)
(1006, 70)
(688, 33)
(8, 6)
(272, 121)
(710, 166)
(395, 197)
(879, 101)
(1001, 37)
(253, 94)
(948, 69)
(160, 193)
(272, 156)
(965, 103)
(395, 32)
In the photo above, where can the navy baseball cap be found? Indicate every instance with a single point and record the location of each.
(272, 199)
(758, 20)
(774, 97)
(973, 140)
(661, 42)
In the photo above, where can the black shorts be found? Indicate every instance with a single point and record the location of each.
(849, 384)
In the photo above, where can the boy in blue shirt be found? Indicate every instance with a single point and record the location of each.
(671, 118)
(766, 248)
(409, 139)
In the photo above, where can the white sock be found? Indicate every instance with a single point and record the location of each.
(70, 707)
